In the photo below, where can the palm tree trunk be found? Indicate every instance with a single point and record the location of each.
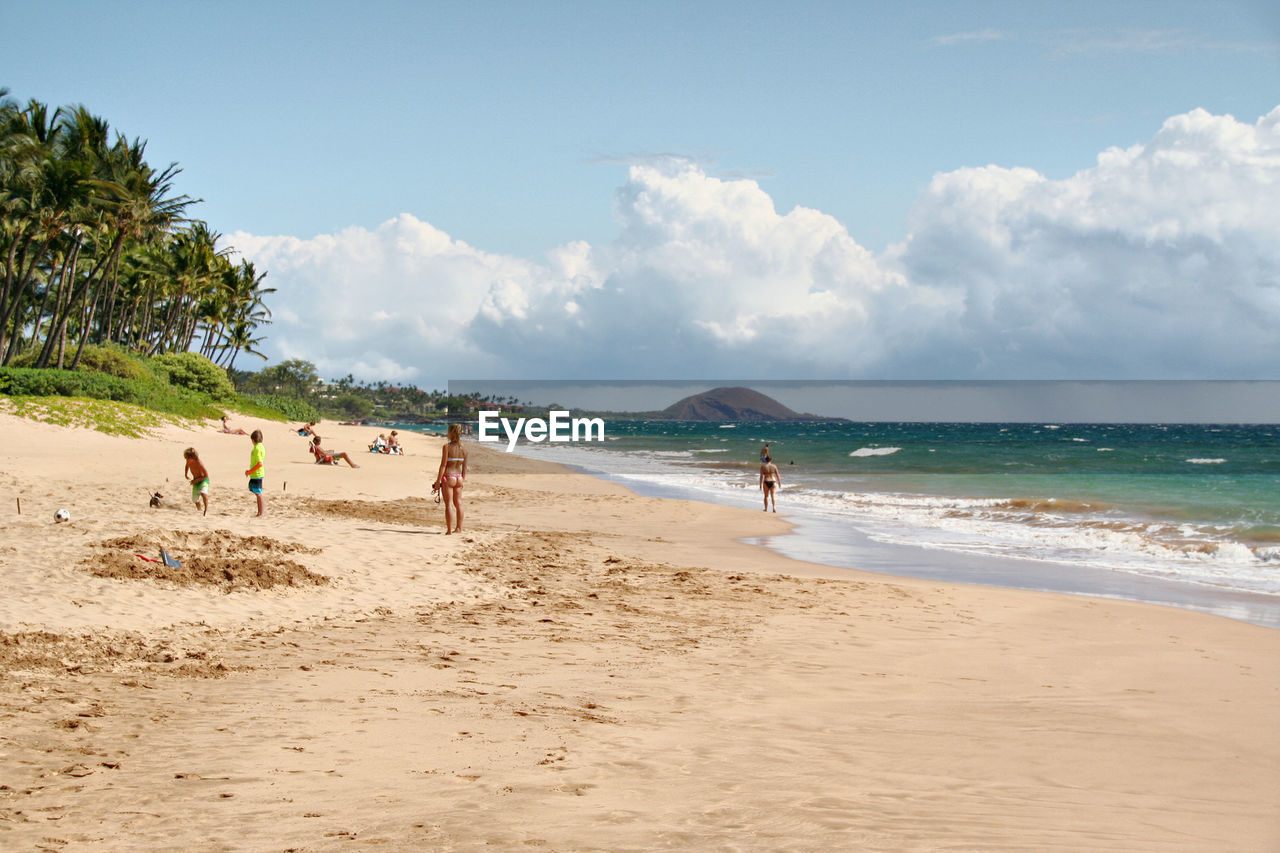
(86, 320)
(110, 302)
(143, 331)
(17, 286)
(166, 331)
(57, 328)
(56, 273)
(87, 305)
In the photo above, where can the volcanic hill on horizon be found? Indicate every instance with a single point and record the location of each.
(733, 405)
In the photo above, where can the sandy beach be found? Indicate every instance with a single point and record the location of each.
(580, 669)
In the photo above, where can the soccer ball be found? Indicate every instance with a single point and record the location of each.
(61, 516)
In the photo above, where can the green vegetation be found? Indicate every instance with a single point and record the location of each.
(295, 386)
(160, 397)
(187, 386)
(196, 373)
(112, 360)
(96, 248)
(277, 406)
(175, 388)
(102, 415)
(295, 377)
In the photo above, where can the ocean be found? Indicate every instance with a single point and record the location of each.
(1187, 515)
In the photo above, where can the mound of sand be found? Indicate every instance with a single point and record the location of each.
(216, 558)
(45, 651)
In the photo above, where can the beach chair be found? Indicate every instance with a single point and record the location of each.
(322, 458)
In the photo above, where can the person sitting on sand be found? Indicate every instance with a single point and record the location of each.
(450, 477)
(379, 444)
(770, 480)
(228, 430)
(393, 444)
(325, 457)
(199, 477)
(307, 430)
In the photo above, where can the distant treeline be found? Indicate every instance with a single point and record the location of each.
(352, 399)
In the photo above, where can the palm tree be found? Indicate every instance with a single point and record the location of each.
(96, 246)
(249, 311)
(139, 203)
(242, 341)
(46, 200)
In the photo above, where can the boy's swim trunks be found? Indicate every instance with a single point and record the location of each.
(198, 488)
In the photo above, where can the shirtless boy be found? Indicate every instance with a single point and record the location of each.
(199, 477)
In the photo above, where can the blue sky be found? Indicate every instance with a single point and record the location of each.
(515, 128)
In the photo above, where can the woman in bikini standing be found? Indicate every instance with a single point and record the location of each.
(453, 471)
(770, 480)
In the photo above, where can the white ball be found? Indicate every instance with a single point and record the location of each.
(61, 515)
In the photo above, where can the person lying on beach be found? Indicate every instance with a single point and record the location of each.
(228, 430)
(199, 477)
(770, 480)
(327, 458)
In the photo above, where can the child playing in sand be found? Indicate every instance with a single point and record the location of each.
(257, 462)
(199, 477)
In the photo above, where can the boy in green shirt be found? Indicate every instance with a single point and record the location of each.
(256, 460)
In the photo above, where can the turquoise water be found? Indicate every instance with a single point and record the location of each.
(1208, 474)
(1197, 504)
(1173, 514)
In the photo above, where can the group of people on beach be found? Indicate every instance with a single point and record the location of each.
(387, 443)
(448, 484)
(198, 475)
(450, 477)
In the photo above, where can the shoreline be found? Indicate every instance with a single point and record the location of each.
(818, 538)
(584, 668)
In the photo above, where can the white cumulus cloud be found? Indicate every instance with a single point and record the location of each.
(1162, 260)
(385, 303)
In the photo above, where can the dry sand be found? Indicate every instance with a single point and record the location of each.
(581, 669)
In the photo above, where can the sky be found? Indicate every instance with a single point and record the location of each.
(808, 190)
